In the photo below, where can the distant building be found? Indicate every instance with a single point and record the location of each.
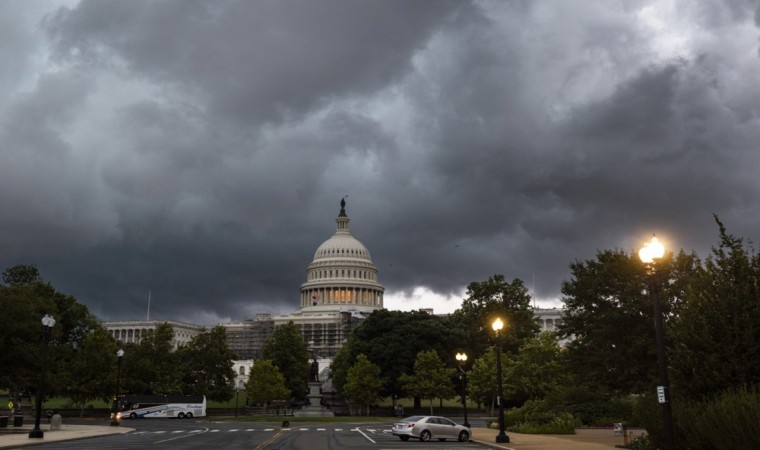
(133, 331)
(341, 289)
(242, 369)
(548, 318)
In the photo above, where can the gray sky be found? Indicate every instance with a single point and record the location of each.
(198, 150)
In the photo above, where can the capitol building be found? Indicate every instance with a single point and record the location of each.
(342, 288)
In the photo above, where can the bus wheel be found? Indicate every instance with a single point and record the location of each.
(189, 415)
(181, 415)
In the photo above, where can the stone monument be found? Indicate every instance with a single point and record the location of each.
(313, 406)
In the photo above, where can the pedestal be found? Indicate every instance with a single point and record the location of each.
(315, 407)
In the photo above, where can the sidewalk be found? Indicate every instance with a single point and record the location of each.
(14, 437)
(585, 439)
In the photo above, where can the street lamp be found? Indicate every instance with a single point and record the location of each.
(461, 359)
(47, 327)
(502, 436)
(115, 415)
(649, 255)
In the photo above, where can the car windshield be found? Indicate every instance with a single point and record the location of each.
(445, 421)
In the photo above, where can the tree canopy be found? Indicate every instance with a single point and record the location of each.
(389, 338)
(288, 352)
(430, 379)
(206, 365)
(363, 383)
(266, 384)
(487, 300)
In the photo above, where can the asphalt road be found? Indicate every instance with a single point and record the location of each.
(161, 434)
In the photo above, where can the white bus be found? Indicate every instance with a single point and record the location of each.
(146, 406)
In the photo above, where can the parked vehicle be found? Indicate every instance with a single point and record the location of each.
(426, 428)
(146, 406)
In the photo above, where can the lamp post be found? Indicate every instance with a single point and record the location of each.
(461, 359)
(47, 327)
(115, 415)
(651, 252)
(502, 436)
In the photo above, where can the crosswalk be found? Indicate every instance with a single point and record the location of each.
(249, 430)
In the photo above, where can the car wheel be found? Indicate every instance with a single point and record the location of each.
(404, 438)
(464, 436)
(425, 436)
(189, 415)
(181, 415)
(133, 416)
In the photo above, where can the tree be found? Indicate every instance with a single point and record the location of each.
(151, 366)
(387, 338)
(538, 368)
(91, 372)
(431, 379)
(716, 333)
(206, 365)
(21, 274)
(609, 313)
(482, 382)
(266, 384)
(24, 299)
(493, 298)
(363, 382)
(288, 352)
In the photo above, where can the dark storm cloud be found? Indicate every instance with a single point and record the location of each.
(198, 150)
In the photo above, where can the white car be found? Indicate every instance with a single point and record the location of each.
(426, 428)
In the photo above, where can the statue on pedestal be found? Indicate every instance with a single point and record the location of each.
(314, 371)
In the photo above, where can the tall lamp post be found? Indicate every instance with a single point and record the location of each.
(649, 255)
(47, 327)
(461, 359)
(115, 415)
(497, 325)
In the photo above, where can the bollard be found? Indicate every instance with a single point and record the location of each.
(55, 422)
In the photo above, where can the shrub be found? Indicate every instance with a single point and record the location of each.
(563, 423)
(728, 420)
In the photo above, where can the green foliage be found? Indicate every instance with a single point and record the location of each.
(24, 299)
(562, 423)
(716, 331)
(206, 365)
(389, 338)
(21, 274)
(288, 352)
(538, 368)
(92, 370)
(730, 419)
(610, 315)
(150, 367)
(266, 384)
(363, 383)
(431, 379)
(727, 420)
(591, 406)
(481, 379)
(488, 300)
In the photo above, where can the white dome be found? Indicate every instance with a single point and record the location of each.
(342, 245)
(342, 275)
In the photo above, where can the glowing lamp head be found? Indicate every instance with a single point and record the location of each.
(462, 357)
(120, 353)
(497, 325)
(651, 251)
